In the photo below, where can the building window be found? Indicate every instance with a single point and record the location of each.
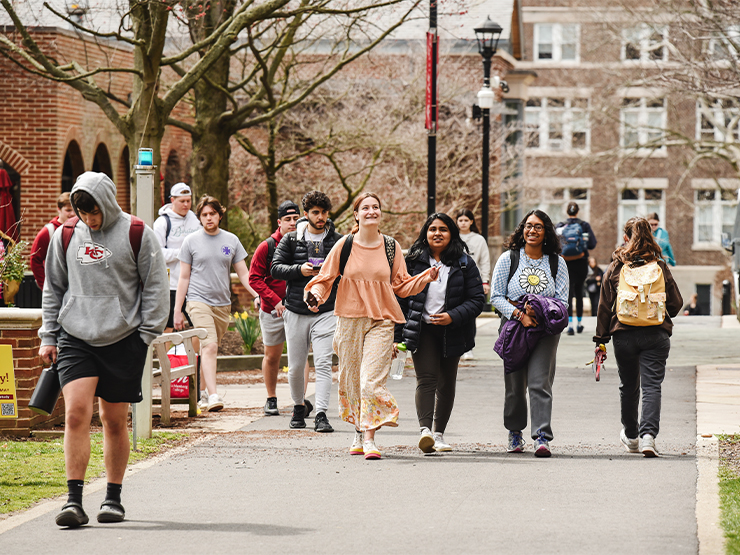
(554, 201)
(639, 202)
(717, 120)
(556, 42)
(725, 45)
(714, 214)
(643, 122)
(644, 44)
(557, 124)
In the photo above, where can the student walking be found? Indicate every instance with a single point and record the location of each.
(206, 257)
(176, 221)
(43, 238)
(531, 265)
(593, 284)
(272, 295)
(105, 300)
(299, 257)
(577, 238)
(638, 299)
(373, 272)
(440, 323)
(662, 238)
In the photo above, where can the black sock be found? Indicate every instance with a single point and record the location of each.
(113, 493)
(74, 487)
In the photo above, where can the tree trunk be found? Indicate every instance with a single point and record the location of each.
(271, 175)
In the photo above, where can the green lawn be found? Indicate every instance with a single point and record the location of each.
(31, 470)
(729, 491)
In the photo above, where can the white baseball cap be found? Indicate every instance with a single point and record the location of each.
(180, 190)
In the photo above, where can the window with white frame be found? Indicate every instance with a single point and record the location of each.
(726, 44)
(644, 43)
(639, 201)
(556, 42)
(553, 200)
(557, 124)
(714, 214)
(643, 121)
(717, 120)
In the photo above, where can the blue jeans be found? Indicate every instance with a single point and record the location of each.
(641, 354)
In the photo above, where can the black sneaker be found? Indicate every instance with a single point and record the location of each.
(321, 423)
(271, 408)
(579, 328)
(299, 417)
(309, 407)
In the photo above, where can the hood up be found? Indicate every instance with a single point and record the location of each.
(100, 187)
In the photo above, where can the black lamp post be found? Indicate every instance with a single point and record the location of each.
(488, 35)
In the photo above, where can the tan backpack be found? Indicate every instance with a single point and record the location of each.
(641, 295)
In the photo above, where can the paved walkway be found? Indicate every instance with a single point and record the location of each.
(266, 489)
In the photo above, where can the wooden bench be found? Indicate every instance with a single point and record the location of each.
(164, 375)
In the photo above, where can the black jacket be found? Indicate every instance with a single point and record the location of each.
(463, 302)
(290, 254)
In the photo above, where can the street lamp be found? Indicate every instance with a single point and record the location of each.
(488, 35)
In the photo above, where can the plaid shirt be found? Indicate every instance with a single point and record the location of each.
(532, 276)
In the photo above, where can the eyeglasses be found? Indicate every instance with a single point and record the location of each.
(537, 227)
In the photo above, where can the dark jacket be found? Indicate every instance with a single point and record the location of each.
(290, 254)
(515, 342)
(463, 302)
(591, 243)
(606, 319)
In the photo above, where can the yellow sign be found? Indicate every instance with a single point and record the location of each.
(8, 400)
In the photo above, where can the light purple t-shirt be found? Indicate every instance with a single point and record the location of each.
(210, 258)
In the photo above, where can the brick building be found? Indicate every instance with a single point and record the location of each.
(582, 114)
(50, 134)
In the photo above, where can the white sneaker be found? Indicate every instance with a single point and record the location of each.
(357, 448)
(632, 445)
(647, 446)
(215, 402)
(439, 443)
(426, 441)
(203, 403)
(468, 356)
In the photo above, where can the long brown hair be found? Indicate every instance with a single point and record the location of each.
(640, 244)
(356, 207)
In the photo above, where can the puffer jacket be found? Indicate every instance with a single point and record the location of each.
(290, 254)
(464, 300)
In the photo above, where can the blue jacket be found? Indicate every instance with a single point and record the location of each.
(463, 302)
(515, 342)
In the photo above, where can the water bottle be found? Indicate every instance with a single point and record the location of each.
(399, 362)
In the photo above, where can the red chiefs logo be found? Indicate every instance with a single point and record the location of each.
(91, 253)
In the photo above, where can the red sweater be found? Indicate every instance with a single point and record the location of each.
(270, 290)
(38, 253)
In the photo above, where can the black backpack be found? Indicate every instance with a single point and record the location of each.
(390, 252)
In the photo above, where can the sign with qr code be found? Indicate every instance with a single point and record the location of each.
(8, 400)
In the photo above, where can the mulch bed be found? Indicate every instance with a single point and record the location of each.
(232, 345)
(729, 453)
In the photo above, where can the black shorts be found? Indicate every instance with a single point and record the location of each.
(171, 318)
(118, 367)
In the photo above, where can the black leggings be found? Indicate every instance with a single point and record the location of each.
(577, 272)
(435, 379)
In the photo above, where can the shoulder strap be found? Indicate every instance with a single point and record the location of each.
(169, 227)
(346, 250)
(390, 252)
(270, 251)
(67, 230)
(514, 258)
(554, 265)
(135, 233)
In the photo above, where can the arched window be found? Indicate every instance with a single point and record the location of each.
(73, 166)
(101, 163)
(171, 174)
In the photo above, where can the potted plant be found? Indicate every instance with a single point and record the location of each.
(12, 269)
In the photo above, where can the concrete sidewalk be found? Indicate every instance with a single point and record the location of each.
(267, 489)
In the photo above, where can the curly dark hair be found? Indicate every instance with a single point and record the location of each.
(454, 250)
(641, 244)
(316, 198)
(551, 245)
(469, 215)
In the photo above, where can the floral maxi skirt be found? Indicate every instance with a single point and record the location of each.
(364, 347)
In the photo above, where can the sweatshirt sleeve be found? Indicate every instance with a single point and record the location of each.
(55, 286)
(500, 284)
(258, 271)
(160, 231)
(155, 294)
(405, 285)
(674, 300)
(485, 261)
(606, 302)
(39, 250)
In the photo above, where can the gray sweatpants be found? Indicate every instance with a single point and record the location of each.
(302, 330)
(538, 377)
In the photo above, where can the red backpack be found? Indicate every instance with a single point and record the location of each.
(135, 233)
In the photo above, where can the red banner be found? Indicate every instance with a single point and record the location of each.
(431, 80)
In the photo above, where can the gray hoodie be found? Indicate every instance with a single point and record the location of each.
(95, 293)
(180, 228)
